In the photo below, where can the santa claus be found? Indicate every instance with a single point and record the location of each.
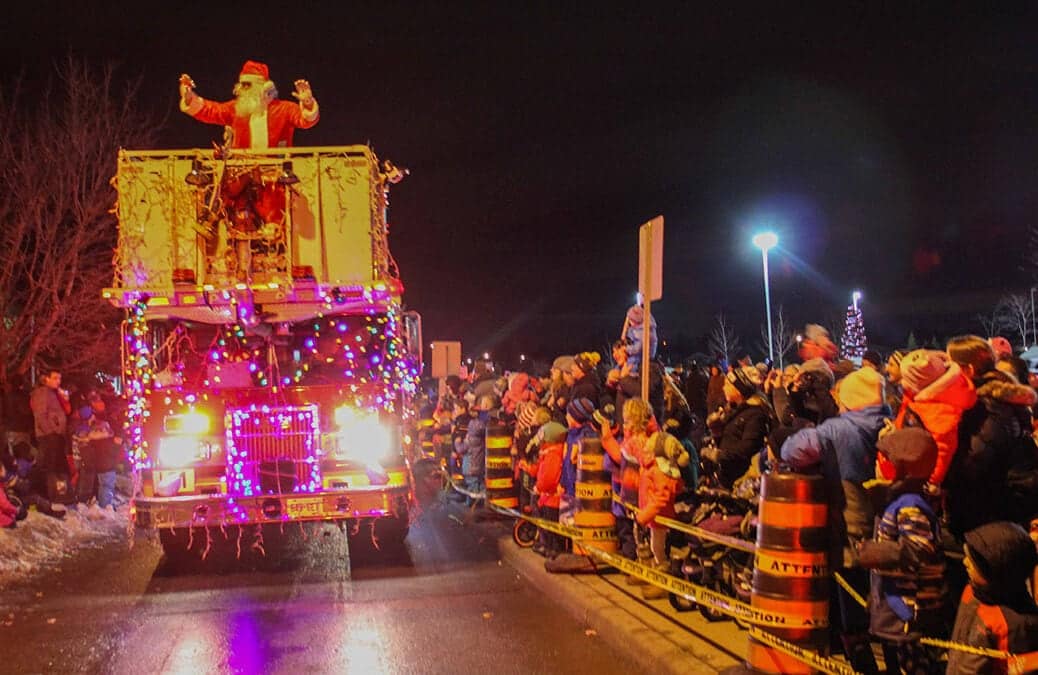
(256, 118)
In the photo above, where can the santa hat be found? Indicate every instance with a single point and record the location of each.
(921, 368)
(861, 389)
(255, 69)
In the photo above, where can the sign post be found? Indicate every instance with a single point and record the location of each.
(446, 361)
(650, 285)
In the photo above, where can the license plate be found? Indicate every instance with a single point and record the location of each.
(187, 479)
(304, 508)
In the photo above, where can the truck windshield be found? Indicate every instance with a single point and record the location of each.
(330, 350)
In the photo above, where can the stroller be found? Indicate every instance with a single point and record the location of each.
(524, 533)
(711, 564)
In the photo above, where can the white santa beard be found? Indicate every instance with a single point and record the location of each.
(250, 102)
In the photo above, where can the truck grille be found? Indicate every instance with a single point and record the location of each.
(273, 450)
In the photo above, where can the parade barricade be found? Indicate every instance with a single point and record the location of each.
(776, 618)
(500, 481)
(594, 493)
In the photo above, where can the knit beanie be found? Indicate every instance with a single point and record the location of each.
(912, 451)
(820, 368)
(671, 455)
(861, 389)
(525, 413)
(552, 432)
(581, 410)
(746, 380)
(921, 368)
(1001, 346)
(587, 361)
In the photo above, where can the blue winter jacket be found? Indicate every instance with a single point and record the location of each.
(843, 450)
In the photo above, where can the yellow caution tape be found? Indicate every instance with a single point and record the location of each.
(850, 590)
(1018, 663)
(731, 542)
(705, 596)
(813, 659)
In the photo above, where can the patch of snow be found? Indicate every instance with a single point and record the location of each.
(40, 541)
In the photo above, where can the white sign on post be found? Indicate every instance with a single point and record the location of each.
(446, 359)
(650, 259)
(650, 285)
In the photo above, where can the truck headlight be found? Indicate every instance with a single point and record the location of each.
(362, 438)
(180, 451)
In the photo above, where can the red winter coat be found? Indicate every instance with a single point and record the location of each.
(939, 408)
(549, 473)
(283, 118)
(8, 513)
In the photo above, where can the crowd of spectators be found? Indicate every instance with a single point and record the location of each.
(929, 459)
(61, 450)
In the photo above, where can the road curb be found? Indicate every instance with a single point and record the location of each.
(654, 642)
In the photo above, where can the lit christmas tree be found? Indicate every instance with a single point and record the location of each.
(854, 342)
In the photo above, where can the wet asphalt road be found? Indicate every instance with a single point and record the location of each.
(445, 604)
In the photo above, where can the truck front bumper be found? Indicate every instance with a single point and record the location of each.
(202, 510)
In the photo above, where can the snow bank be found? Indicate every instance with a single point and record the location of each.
(40, 540)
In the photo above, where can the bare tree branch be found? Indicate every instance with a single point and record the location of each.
(1014, 309)
(57, 157)
(723, 339)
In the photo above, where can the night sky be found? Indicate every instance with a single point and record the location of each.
(893, 150)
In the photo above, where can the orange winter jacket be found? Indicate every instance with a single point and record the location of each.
(549, 473)
(938, 408)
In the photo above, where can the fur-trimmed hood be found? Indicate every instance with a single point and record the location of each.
(1005, 391)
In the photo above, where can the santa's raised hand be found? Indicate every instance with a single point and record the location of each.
(187, 89)
(304, 94)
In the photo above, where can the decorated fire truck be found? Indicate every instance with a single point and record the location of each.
(269, 364)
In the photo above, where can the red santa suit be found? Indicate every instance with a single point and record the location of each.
(269, 128)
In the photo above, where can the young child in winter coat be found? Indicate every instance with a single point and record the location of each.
(623, 460)
(551, 439)
(632, 335)
(996, 611)
(579, 414)
(659, 483)
(936, 394)
(907, 578)
(99, 449)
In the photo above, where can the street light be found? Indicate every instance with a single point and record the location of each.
(766, 241)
